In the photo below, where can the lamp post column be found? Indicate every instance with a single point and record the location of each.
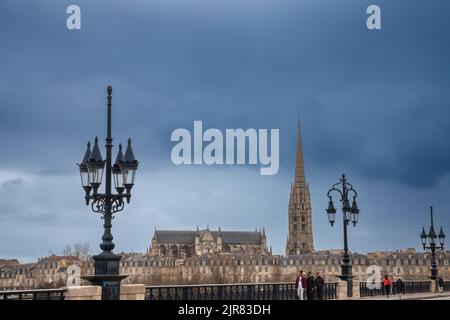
(348, 214)
(108, 245)
(346, 266)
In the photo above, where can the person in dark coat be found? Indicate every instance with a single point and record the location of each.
(399, 286)
(440, 284)
(310, 286)
(320, 283)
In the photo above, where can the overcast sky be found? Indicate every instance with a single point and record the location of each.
(373, 104)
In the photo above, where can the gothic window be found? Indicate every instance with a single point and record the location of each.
(174, 250)
(303, 219)
(187, 250)
(303, 206)
(303, 228)
(303, 245)
(295, 227)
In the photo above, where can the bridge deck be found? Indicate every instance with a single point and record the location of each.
(413, 296)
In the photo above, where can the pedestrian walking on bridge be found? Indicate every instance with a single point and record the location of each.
(387, 285)
(320, 283)
(310, 286)
(300, 285)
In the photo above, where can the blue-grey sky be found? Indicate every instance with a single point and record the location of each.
(373, 104)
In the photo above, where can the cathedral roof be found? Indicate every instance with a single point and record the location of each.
(230, 237)
(175, 236)
(251, 237)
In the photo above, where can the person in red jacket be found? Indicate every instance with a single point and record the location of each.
(387, 285)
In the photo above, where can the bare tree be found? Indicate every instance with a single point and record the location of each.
(81, 251)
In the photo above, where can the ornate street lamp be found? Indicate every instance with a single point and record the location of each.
(349, 214)
(430, 242)
(106, 264)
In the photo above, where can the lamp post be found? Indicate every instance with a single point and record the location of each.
(429, 242)
(350, 214)
(106, 264)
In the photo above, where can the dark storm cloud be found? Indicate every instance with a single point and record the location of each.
(233, 65)
(375, 104)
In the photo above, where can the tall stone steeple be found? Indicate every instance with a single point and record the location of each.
(299, 164)
(300, 237)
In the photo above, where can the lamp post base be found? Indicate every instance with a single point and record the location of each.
(434, 273)
(107, 275)
(347, 276)
(434, 278)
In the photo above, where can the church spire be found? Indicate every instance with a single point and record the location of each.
(299, 164)
(300, 237)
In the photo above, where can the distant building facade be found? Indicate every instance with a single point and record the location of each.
(242, 268)
(47, 272)
(235, 267)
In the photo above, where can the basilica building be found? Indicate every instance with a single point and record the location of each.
(185, 244)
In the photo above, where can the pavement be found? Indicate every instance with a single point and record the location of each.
(413, 296)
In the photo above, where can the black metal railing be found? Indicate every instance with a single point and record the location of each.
(40, 294)
(238, 291)
(330, 291)
(406, 287)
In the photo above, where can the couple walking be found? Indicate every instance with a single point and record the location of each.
(313, 286)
